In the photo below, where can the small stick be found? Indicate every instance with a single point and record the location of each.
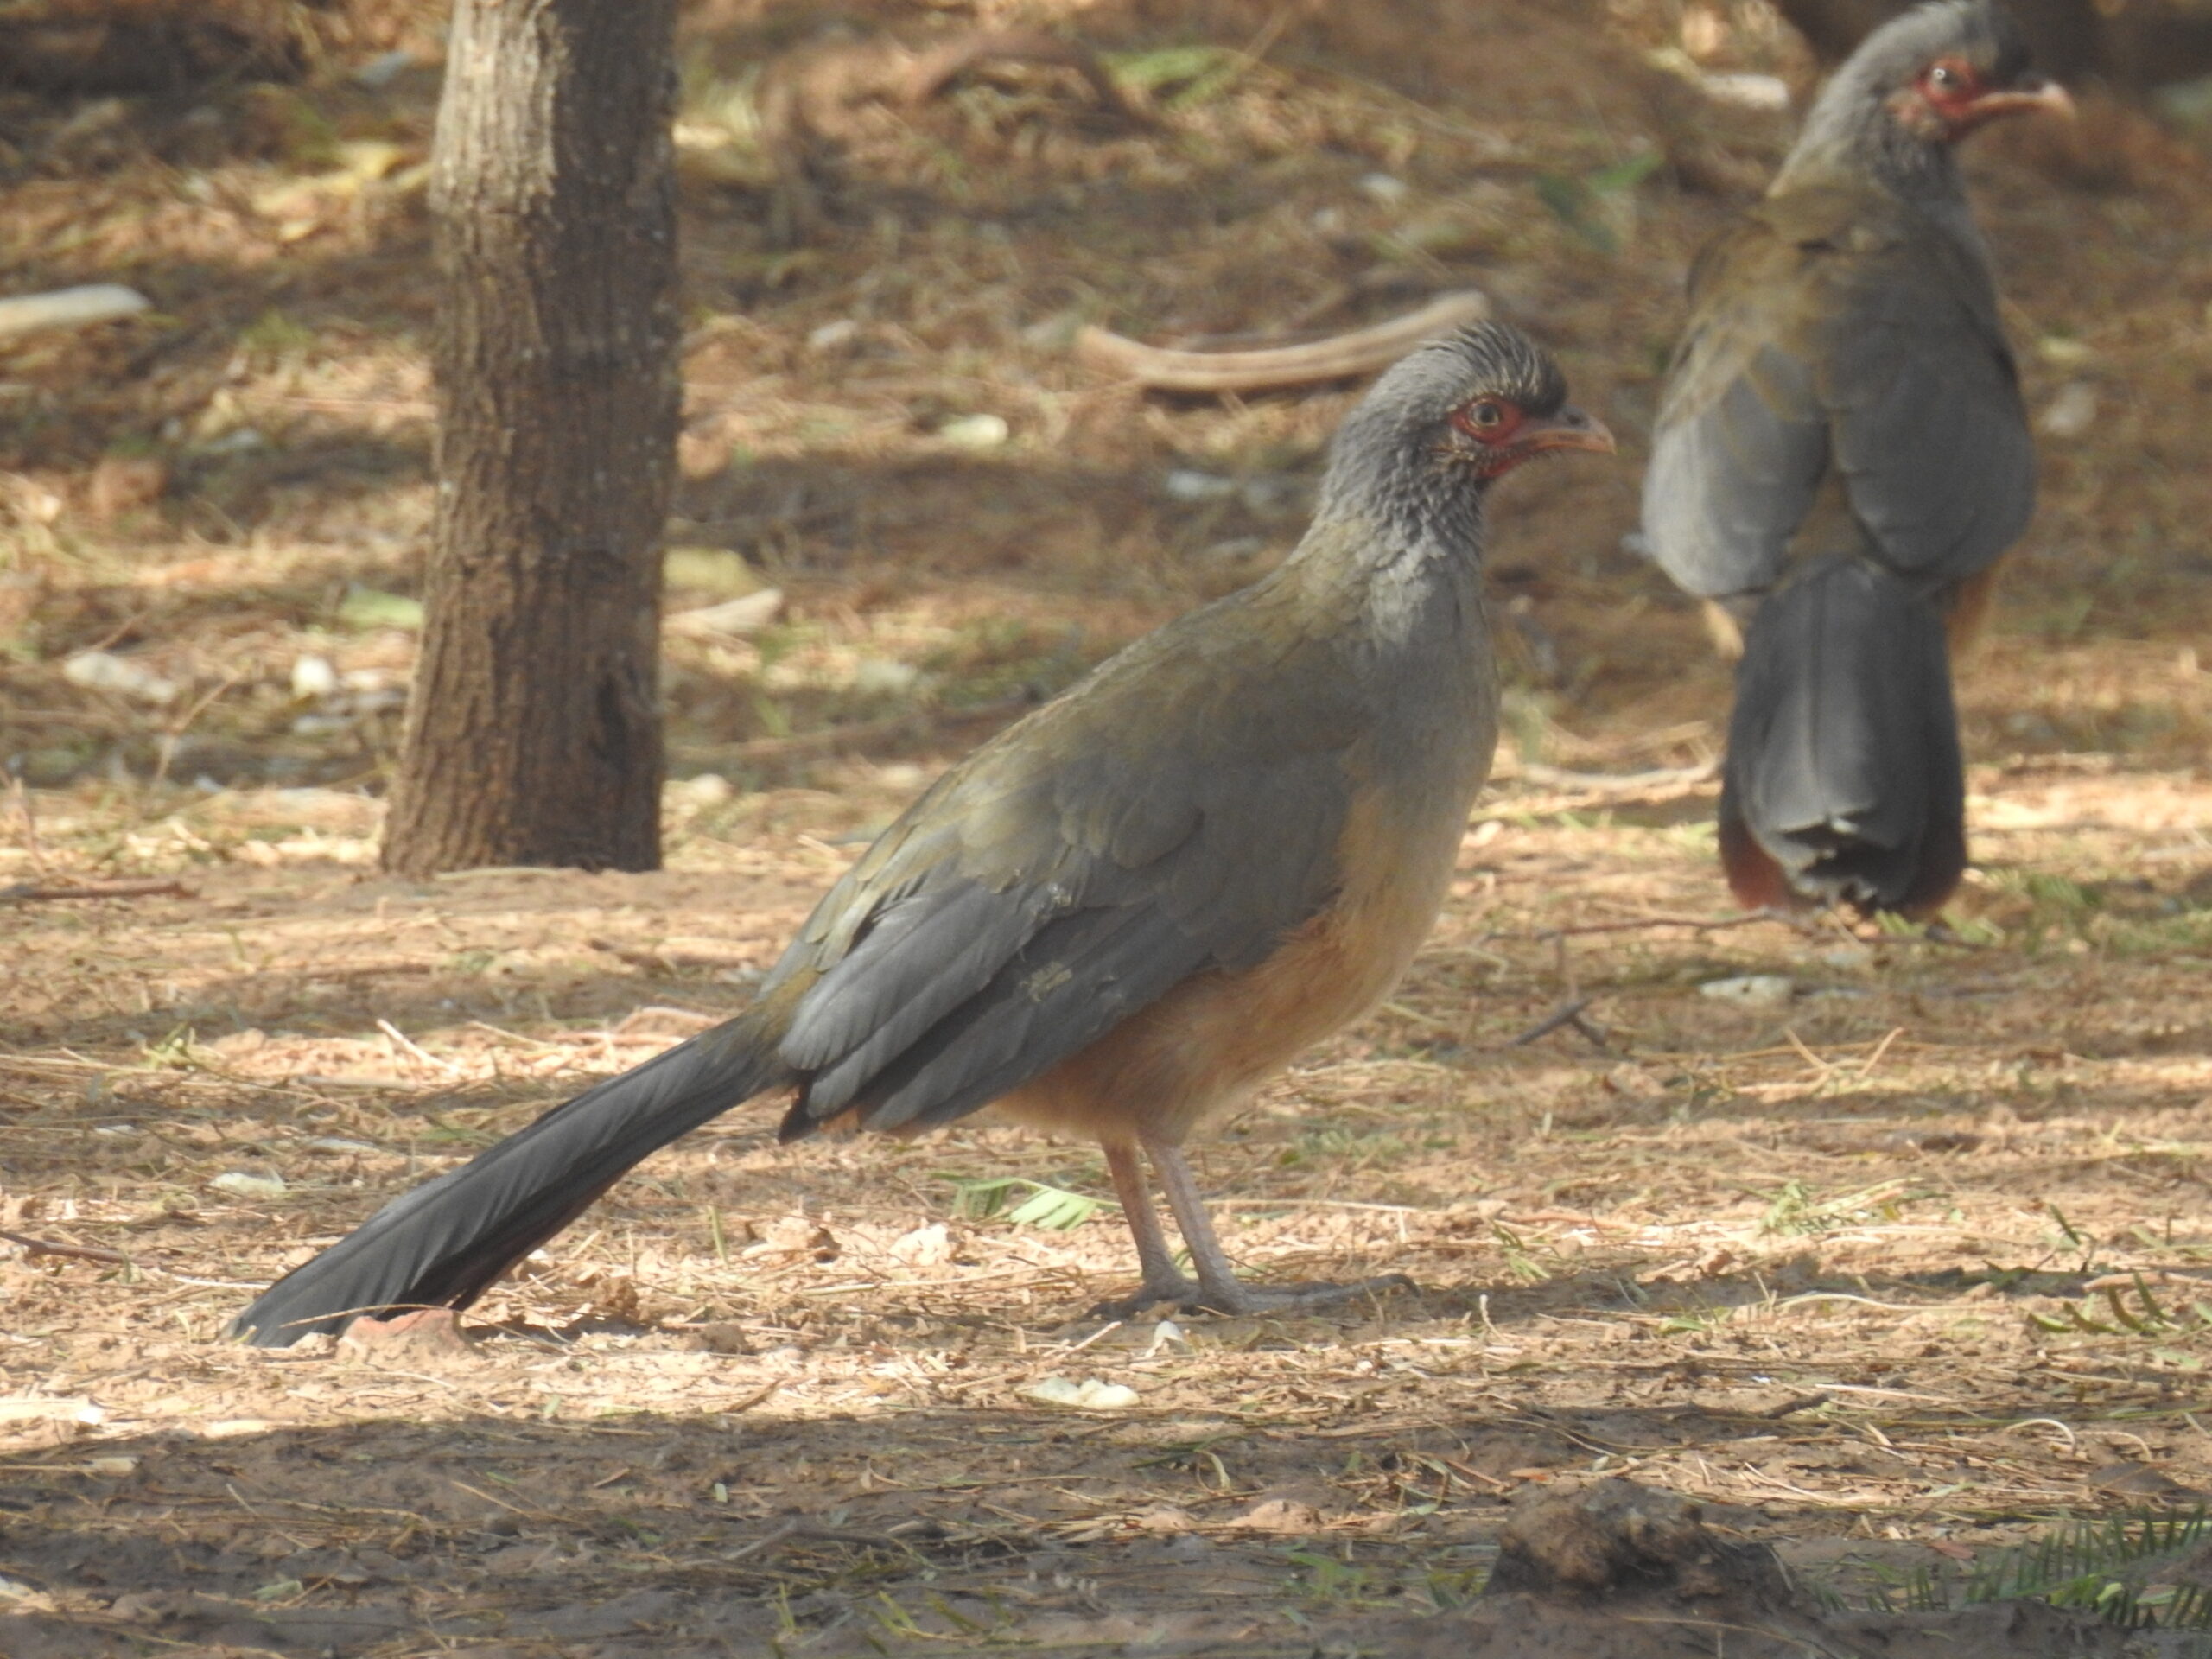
(1790, 1036)
(766, 1541)
(182, 724)
(1469, 1472)
(2158, 1275)
(1613, 783)
(78, 1252)
(1703, 923)
(1551, 1022)
(1875, 1059)
(23, 799)
(407, 1044)
(786, 1530)
(70, 307)
(31, 893)
(1567, 1013)
(1939, 932)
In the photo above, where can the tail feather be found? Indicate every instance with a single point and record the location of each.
(1844, 780)
(444, 1242)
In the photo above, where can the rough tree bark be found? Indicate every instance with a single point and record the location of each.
(533, 734)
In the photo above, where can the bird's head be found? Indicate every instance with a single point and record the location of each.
(1504, 401)
(1957, 66)
(1478, 402)
(1932, 75)
(1442, 424)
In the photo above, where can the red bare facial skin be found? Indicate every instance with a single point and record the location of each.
(1494, 436)
(1951, 99)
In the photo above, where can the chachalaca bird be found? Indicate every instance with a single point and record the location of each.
(1841, 458)
(1122, 913)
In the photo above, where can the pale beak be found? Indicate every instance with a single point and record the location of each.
(2030, 93)
(1568, 430)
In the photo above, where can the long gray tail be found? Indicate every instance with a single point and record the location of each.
(444, 1242)
(1844, 782)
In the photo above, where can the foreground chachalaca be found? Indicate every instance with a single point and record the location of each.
(1839, 461)
(1122, 913)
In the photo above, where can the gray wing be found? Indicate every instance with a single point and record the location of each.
(1182, 815)
(1839, 329)
(1931, 436)
(1742, 441)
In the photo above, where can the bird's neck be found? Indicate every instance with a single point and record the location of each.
(1404, 573)
(1413, 508)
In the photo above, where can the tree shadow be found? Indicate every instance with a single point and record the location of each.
(712, 1533)
(339, 484)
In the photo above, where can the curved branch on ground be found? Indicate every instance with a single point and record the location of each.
(1336, 357)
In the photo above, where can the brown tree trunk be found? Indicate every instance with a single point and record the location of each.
(533, 736)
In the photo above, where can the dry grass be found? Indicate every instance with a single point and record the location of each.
(1859, 1268)
(1804, 1261)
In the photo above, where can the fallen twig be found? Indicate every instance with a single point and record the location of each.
(785, 1531)
(75, 1252)
(1791, 1407)
(1567, 1013)
(1702, 924)
(407, 1045)
(2155, 1276)
(1938, 932)
(670, 961)
(1615, 783)
(174, 734)
(21, 797)
(32, 892)
(1333, 358)
(70, 307)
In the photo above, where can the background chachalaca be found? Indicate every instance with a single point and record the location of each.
(1124, 911)
(1841, 458)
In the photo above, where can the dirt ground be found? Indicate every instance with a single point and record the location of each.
(1891, 1252)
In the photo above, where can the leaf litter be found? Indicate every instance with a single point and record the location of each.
(1895, 1273)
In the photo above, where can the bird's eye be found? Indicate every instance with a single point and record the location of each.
(1487, 420)
(1951, 80)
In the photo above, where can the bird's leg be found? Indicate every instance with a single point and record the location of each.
(1162, 1282)
(1219, 1286)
